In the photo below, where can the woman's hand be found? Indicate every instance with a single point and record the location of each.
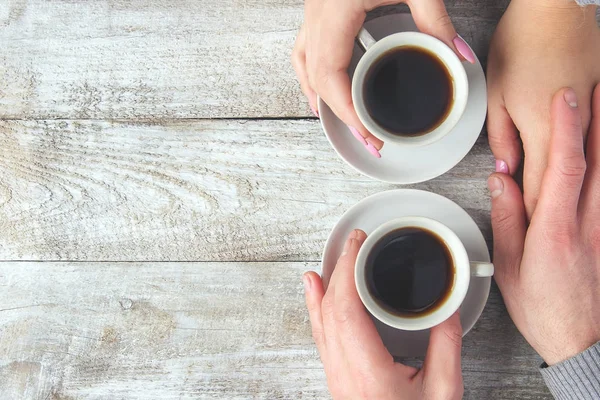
(539, 46)
(549, 274)
(324, 48)
(357, 364)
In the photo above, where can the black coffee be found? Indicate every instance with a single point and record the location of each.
(408, 91)
(410, 272)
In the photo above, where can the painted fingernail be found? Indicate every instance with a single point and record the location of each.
(570, 98)
(496, 186)
(307, 283)
(314, 110)
(501, 166)
(357, 135)
(464, 49)
(373, 150)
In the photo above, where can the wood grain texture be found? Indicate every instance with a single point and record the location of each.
(197, 331)
(155, 59)
(212, 190)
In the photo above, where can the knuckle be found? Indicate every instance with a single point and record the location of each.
(443, 21)
(343, 313)
(562, 236)
(502, 219)
(571, 167)
(502, 142)
(327, 306)
(321, 77)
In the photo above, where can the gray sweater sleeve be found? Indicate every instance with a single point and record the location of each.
(577, 378)
(587, 2)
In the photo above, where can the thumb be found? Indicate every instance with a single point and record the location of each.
(509, 227)
(503, 138)
(432, 18)
(441, 369)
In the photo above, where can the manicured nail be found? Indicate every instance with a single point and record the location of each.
(501, 166)
(495, 186)
(464, 49)
(373, 150)
(570, 98)
(307, 283)
(314, 110)
(357, 135)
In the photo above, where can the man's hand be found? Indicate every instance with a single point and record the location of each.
(549, 273)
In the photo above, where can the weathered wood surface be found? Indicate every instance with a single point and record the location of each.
(105, 157)
(197, 331)
(153, 59)
(213, 190)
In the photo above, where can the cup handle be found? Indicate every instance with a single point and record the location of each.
(365, 40)
(482, 269)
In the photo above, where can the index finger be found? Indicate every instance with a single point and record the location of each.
(328, 67)
(564, 175)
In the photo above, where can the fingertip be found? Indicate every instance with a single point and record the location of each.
(503, 137)
(313, 291)
(359, 235)
(495, 185)
(306, 279)
(567, 130)
(502, 167)
(500, 184)
(570, 97)
(376, 142)
(356, 239)
(565, 104)
(464, 49)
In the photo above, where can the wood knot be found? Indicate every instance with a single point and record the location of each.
(126, 304)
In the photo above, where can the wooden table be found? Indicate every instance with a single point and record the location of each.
(163, 186)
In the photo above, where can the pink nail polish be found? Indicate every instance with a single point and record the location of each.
(501, 166)
(464, 49)
(314, 111)
(373, 150)
(357, 135)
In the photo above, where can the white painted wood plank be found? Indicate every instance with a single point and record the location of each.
(197, 331)
(155, 59)
(148, 58)
(210, 190)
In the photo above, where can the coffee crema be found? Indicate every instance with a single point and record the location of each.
(410, 272)
(408, 91)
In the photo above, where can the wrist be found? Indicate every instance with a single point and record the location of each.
(568, 348)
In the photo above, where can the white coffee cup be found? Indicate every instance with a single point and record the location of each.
(374, 50)
(464, 269)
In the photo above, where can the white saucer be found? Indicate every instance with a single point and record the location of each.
(407, 165)
(371, 212)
